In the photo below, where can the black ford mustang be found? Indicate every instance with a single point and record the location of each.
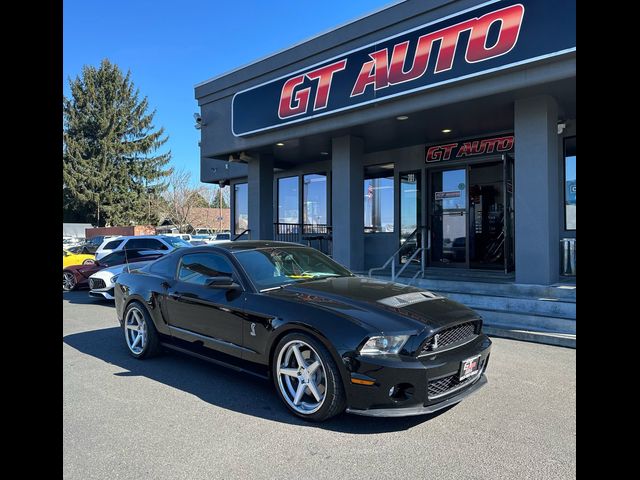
(329, 340)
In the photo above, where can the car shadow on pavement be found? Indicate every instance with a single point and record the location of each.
(222, 387)
(81, 297)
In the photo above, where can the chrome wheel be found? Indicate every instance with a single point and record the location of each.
(135, 330)
(301, 377)
(68, 281)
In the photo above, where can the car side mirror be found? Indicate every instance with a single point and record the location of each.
(221, 282)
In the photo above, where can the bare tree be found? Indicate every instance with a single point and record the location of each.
(180, 198)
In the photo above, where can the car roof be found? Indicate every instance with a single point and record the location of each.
(241, 245)
(129, 237)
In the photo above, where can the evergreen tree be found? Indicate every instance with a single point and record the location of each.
(111, 171)
(216, 203)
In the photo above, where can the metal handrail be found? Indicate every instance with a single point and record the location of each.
(391, 259)
(246, 230)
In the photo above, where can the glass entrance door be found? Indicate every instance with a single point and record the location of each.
(487, 216)
(448, 218)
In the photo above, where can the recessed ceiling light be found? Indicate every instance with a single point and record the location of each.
(324, 153)
(446, 130)
(280, 144)
(402, 117)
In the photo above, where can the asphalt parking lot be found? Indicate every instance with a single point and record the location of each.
(174, 417)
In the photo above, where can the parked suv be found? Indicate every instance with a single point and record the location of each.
(160, 243)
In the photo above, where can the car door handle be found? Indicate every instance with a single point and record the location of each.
(175, 296)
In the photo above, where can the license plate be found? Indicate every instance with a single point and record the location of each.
(469, 367)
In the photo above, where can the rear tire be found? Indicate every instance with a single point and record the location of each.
(307, 378)
(140, 334)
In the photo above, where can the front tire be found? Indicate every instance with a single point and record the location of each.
(307, 378)
(69, 281)
(140, 335)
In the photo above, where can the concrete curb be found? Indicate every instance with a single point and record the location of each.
(549, 338)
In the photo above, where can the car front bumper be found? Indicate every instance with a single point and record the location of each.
(108, 294)
(412, 377)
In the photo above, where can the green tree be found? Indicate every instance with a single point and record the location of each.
(216, 203)
(111, 170)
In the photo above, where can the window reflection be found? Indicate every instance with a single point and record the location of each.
(288, 200)
(378, 198)
(240, 208)
(314, 199)
(570, 183)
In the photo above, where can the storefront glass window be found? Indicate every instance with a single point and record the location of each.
(288, 200)
(570, 183)
(378, 198)
(314, 199)
(240, 208)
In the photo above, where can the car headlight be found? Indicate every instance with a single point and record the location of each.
(384, 344)
(114, 278)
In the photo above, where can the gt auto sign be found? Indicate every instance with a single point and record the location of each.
(492, 36)
(469, 148)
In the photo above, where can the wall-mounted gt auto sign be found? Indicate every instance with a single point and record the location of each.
(486, 38)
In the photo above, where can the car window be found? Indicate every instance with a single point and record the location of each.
(222, 236)
(273, 267)
(165, 266)
(148, 243)
(176, 242)
(112, 245)
(197, 267)
(115, 258)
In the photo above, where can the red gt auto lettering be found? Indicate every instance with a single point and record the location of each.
(501, 144)
(437, 153)
(440, 152)
(325, 75)
(381, 73)
(296, 104)
(510, 20)
(300, 100)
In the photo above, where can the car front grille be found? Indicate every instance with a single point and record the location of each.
(444, 386)
(450, 336)
(96, 283)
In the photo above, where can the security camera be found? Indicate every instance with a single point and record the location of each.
(561, 126)
(197, 117)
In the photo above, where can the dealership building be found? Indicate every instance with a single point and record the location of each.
(425, 137)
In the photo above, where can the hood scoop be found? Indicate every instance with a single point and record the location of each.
(406, 299)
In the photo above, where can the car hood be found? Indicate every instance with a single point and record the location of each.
(109, 272)
(387, 306)
(85, 270)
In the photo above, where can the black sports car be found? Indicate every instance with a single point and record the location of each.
(330, 340)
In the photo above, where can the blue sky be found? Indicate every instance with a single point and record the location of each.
(169, 46)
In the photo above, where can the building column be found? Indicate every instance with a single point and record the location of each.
(260, 193)
(347, 205)
(537, 252)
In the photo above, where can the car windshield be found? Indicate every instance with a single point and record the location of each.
(280, 266)
(176, 242)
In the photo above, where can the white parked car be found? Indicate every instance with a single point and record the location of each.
(220, 238)
(160, 243)
(185, 236)
(101, 283)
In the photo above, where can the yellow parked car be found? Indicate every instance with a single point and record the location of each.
(69, 258)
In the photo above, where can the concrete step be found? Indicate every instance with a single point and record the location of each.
(523, 321)
(563, 292)
(547, 307)
(558, 339)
